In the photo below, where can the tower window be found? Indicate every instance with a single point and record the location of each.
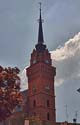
(48, 116)
(48, 104)
(34, 103)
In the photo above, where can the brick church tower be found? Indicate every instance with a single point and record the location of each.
(41, 75)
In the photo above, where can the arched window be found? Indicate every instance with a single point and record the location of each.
(48, 104)
(48, 116)
(34, 103)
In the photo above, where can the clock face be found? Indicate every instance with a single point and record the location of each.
(47, 88)
(46, 61)
(34, 61)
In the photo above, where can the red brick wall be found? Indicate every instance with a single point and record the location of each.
(41, 86)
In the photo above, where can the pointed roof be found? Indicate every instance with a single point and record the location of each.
(40, 32)
(40, 45)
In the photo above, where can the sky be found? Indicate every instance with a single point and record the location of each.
(61, 27)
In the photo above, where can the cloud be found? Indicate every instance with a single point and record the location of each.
(67, 60)
(24, 80)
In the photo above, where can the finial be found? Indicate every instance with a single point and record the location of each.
(40, 5)
(40, 45)
(40, 33)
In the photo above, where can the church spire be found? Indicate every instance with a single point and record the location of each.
(40, 32)
(40, 45)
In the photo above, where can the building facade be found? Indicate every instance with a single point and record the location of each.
(41, 73)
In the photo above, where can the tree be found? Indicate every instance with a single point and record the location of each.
(10, 95)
